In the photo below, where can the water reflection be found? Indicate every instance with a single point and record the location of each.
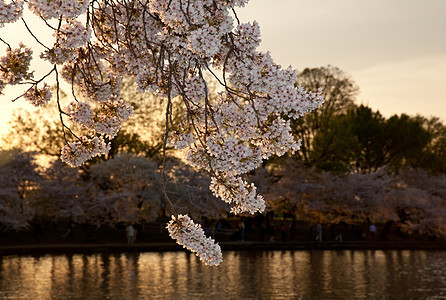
(243, 275)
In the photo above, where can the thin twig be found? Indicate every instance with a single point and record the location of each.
(9, 46)
(32, 34)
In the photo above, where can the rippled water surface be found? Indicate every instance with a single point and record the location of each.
(243, 275)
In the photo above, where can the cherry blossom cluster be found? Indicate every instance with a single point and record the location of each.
(80, 113)
(9, 13)
(72, 35)
(234, 190)
(92, 79)
(15, 65)
(55, 8)
(192, 237)
(58, 55)
(239, 3)
(240, 135)
(38, 97)
(77, 153)
(203, 40)
(110, 117)
(247, 38)
(107, 120)
(195, 88)
(167, 46)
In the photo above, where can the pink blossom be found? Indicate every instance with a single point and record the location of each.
(38, 97)
(9, 13)
(192, 237)
(167, 46)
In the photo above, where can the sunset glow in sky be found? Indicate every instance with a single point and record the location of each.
(395, 50)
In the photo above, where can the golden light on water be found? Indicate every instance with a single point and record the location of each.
(242, 275)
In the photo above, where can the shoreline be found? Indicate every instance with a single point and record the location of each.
(225, 246)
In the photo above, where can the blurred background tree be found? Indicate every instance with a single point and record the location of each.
(20, 182)
(354, 164)
(339, 92)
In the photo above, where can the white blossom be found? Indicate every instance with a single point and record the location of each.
(56, 8)
(167, 46)
(38, 97)
(72, 35)
(77, 153)
(15, 65)
(193, 238)
(9, 13)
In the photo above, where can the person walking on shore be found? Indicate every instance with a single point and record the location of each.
(372, 230)
(130, 234)
(338, 230)
(319, 232)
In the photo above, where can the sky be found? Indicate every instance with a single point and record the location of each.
(395, 50)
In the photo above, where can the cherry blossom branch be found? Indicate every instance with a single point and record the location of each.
(3, 41)
(64, 127)
(32, 34)
(34, 84)
(165, 45)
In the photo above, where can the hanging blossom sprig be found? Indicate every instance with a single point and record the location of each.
(76, 153)
(167, 46)
(14, 66)
(38, 96)
(11, 12)
(192, 237)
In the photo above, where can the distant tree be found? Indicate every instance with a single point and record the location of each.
(434, 156)
(31, 132)
(63, 194)
(125, 188)
(406, 141)
(339, 92)
(413, 199)
(289, 187)
(363, 140)
(349, 197)
(355, 141)
(369, 129)
(141, 134)
(19, 185)
(335, 148)
(423, 179)
(417, 202)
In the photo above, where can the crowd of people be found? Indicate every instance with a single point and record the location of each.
(268, 229)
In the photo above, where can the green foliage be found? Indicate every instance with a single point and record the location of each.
(406, 139)
(363, 140)
(341, 136)
(367, 127)
(339, 92)
(433, 157)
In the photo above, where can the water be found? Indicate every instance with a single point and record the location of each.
(243, 275)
